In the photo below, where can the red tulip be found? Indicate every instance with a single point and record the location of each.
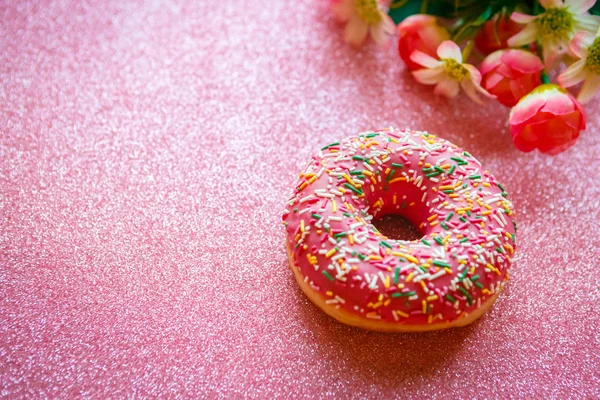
(494, 35)
(548, 119)
(419, 32)
(511, 74)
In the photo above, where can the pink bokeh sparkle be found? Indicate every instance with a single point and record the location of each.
(146, 152)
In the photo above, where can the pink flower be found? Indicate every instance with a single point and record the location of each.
(448, 73)
(556, 26)
(511, 74)
(364, 17)
(494, 35)
(548, 119)
(419, 32)
(586, 46)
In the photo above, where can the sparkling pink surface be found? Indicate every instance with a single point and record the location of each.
(146, 153)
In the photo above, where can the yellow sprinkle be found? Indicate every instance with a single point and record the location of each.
(387, 282)
(424, 303)
(448, 271)
(377, 305)
(329, 293)
(334, 206)
(447, 187)
(301, 225)
(387, 171)
(373, 257)
(394, 199)
(351, 239)
(409, 277)
(402, 314)
(434, 223)
(430, 319)
(387, 302)
(432, 298)
(400, 179)
(367, 173)
(431, 218)
(330, 253)
(407, 256)
(486, 212)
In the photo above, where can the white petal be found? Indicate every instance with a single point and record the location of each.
(586, 22)
(589, 88)
(580, 43)
(470, 90)
(551, 3)
(579, 6)
(522, 18)
(342, 10)
(429, 76)
(573, 75)
(356, 31)
(424, 59)
(449, 49)
(447, 87)
(526, 36)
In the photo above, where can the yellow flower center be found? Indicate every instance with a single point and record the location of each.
(555, 22)
(455, 69)
(368, 11)
(593, 57)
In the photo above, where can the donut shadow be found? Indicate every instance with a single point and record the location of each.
(385, 359)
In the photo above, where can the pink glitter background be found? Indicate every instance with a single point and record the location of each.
(146, 152)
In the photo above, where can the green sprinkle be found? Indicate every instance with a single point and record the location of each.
(403, 294)
(328, 276)
(500, 250)
(462, 276)
(347, 215)
(425, 242)
(438, 169)
(396, 275)
(356, 172)
(427, 170)
(450, 298)
(448, 191)
(469, 298)
(317, 216)
(467, 154)
(440, 264)
(464, 240)
(500, 186)
(451, 170)
(433, 174)
(397, 165)
(386, 244)
(330, 145)
(474, 278)
(362, 257)
(355, 190)
(463, 219)
(403, 204)
(358, 158)
(479, 285)
(341, 234)
(438, 241)
(295, 210)
(449, 216)
(389, 177)
(475, 177)
(370, 135)
(460, 161)
(443, 225)
(514, 237)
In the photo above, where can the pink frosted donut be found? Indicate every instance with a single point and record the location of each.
(448, 278)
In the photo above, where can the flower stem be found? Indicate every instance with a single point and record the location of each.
(467, 50)
(424, 6)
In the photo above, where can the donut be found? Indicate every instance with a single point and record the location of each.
(448, 278)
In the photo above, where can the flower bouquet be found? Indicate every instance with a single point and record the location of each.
(517, 45)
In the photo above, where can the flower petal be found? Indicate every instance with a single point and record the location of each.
(449, 49)
(586, 23)
(580, 43)
(447, 87)
(429, 76)
(573, 75)
(470, 90)
(342, 10)
(526, 36)
(523, 61)
(551, 3)
(522, 18)
(579, 6)
(424, 59)
(552, 53)
(356, 31)
(491, 61)
(589, 88)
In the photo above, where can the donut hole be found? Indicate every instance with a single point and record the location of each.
(396, 227)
